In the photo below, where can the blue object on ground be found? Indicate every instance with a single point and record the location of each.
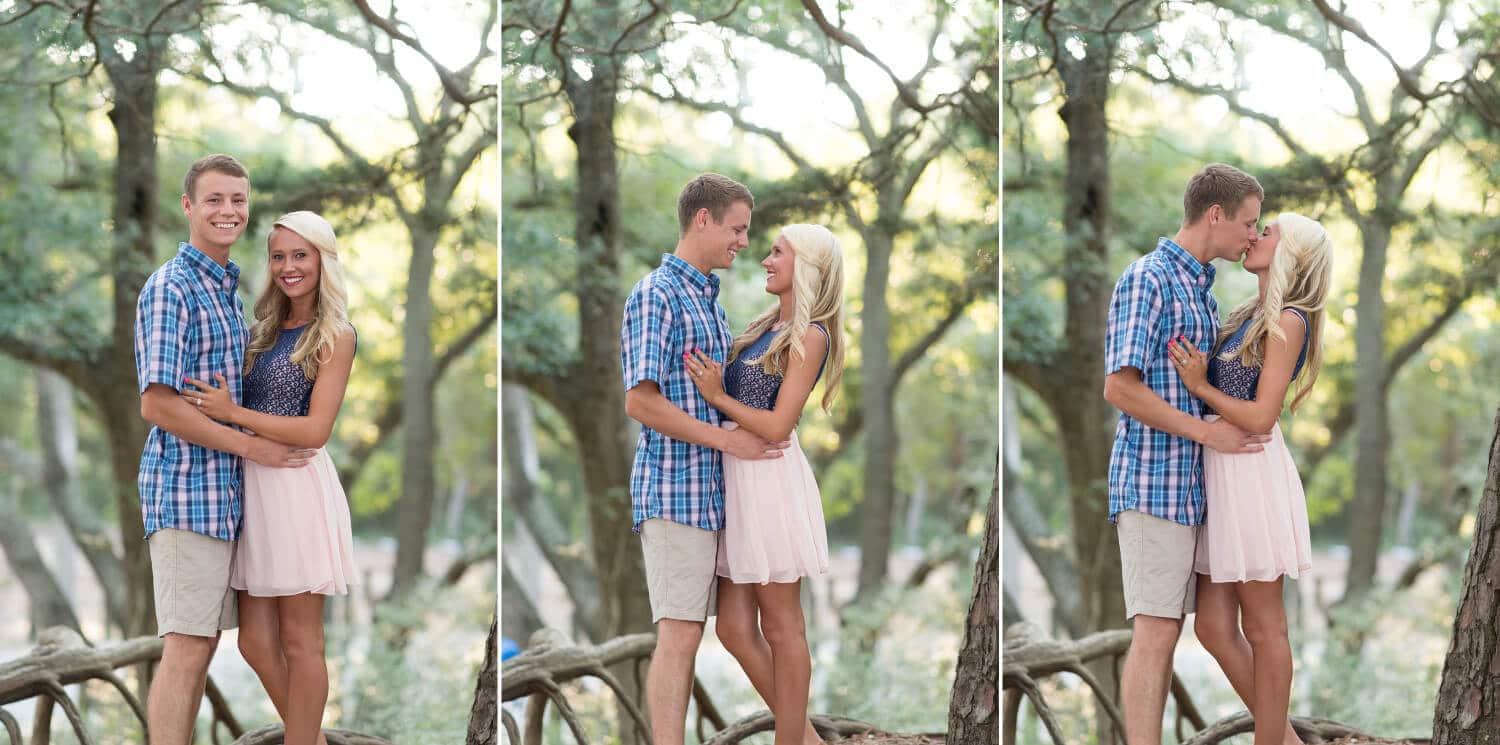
(508, 648)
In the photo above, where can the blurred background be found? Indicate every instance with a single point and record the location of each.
(877, 121)
(1378, 119)
(383, 119)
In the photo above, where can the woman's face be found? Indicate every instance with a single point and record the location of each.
(1258, 258)
(778, 266)
(294, 264)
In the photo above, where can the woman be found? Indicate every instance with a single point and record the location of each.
(774, 533)
(295, 546)
(1255, 532)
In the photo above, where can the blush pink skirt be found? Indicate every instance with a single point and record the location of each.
(295, 537)
(1255, 527)
(773, 519)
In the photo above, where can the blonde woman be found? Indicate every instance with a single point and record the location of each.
(1255, 529)
(774, 533)
(295, 547)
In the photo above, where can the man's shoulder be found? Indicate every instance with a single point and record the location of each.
(657, 286)
(171, 277)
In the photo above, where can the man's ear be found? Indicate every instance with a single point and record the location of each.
(1215, 213)
(187, 203)
(702, 217)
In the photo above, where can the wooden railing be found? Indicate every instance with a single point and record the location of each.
(550, 660)
(1030, 656)
(62, 658)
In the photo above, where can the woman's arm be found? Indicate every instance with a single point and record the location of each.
(777, 424)
(311, 431)
(1260, 415)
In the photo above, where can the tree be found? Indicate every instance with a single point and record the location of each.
(871, 195)
(974, 710)
(1467, 709)
(1370, 184)
(420, 183)
(132, 46)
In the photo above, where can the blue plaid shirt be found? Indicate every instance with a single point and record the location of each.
(190, 323)
(674, 310)
(1162, 295)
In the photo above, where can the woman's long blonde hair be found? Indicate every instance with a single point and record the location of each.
(1298, 278)
(817, 297)
(330, 314)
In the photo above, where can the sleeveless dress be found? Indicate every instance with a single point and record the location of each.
(295, 537)
(773, 513)
(1255, 527)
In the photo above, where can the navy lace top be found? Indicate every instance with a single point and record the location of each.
(1237, 380)
(275, 385)
(746, 382)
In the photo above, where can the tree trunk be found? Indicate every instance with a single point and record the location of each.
(1084, 418)
(537, 517)
(877, 519)
(414, 509)
(519, 618)
(1371, 412)
(49, 605)
(974, 707)
(135, 217)
(596, 410)
(1468, 702)
(484, 716)
(57, 434)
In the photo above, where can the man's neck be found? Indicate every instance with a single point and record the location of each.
(689, 253)
(1195, 241)
(218, 254)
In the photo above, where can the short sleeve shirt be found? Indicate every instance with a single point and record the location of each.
(190, 323)
(674, 310)
(1162, 295)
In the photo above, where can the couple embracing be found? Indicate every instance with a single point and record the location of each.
(245, 519)
(1208, 505)
(728, 511)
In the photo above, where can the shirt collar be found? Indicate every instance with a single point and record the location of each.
(705, 284)
(226, 276)
(1202, 274)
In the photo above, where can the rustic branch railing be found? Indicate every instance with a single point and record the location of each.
(1030, 656)
(550, 660)
(62, 658)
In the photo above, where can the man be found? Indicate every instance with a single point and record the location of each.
(677, 480)
(190, 323)
(1155, 468)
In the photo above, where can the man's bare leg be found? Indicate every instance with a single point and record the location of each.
(669, 679)
(177, 689)
(1145, 676)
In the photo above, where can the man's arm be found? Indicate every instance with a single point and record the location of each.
(1125, 389)
(161, 406)
(646, 404)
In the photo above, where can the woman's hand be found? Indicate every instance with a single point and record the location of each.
(706, 374)
(211, 400)
(1191, 364)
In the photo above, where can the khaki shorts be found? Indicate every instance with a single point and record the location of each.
(1156, 561)
(680, 563)
(191, 577)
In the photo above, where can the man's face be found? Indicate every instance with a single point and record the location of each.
(723, 240)
(1231, 236)
(217, 210)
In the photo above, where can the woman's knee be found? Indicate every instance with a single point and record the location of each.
(736, 634)
(1215, 634)
(303, 644)
(258, 646)
(783, 626)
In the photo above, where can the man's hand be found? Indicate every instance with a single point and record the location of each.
(277, 455)
(746, 446)
(1227, 438)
